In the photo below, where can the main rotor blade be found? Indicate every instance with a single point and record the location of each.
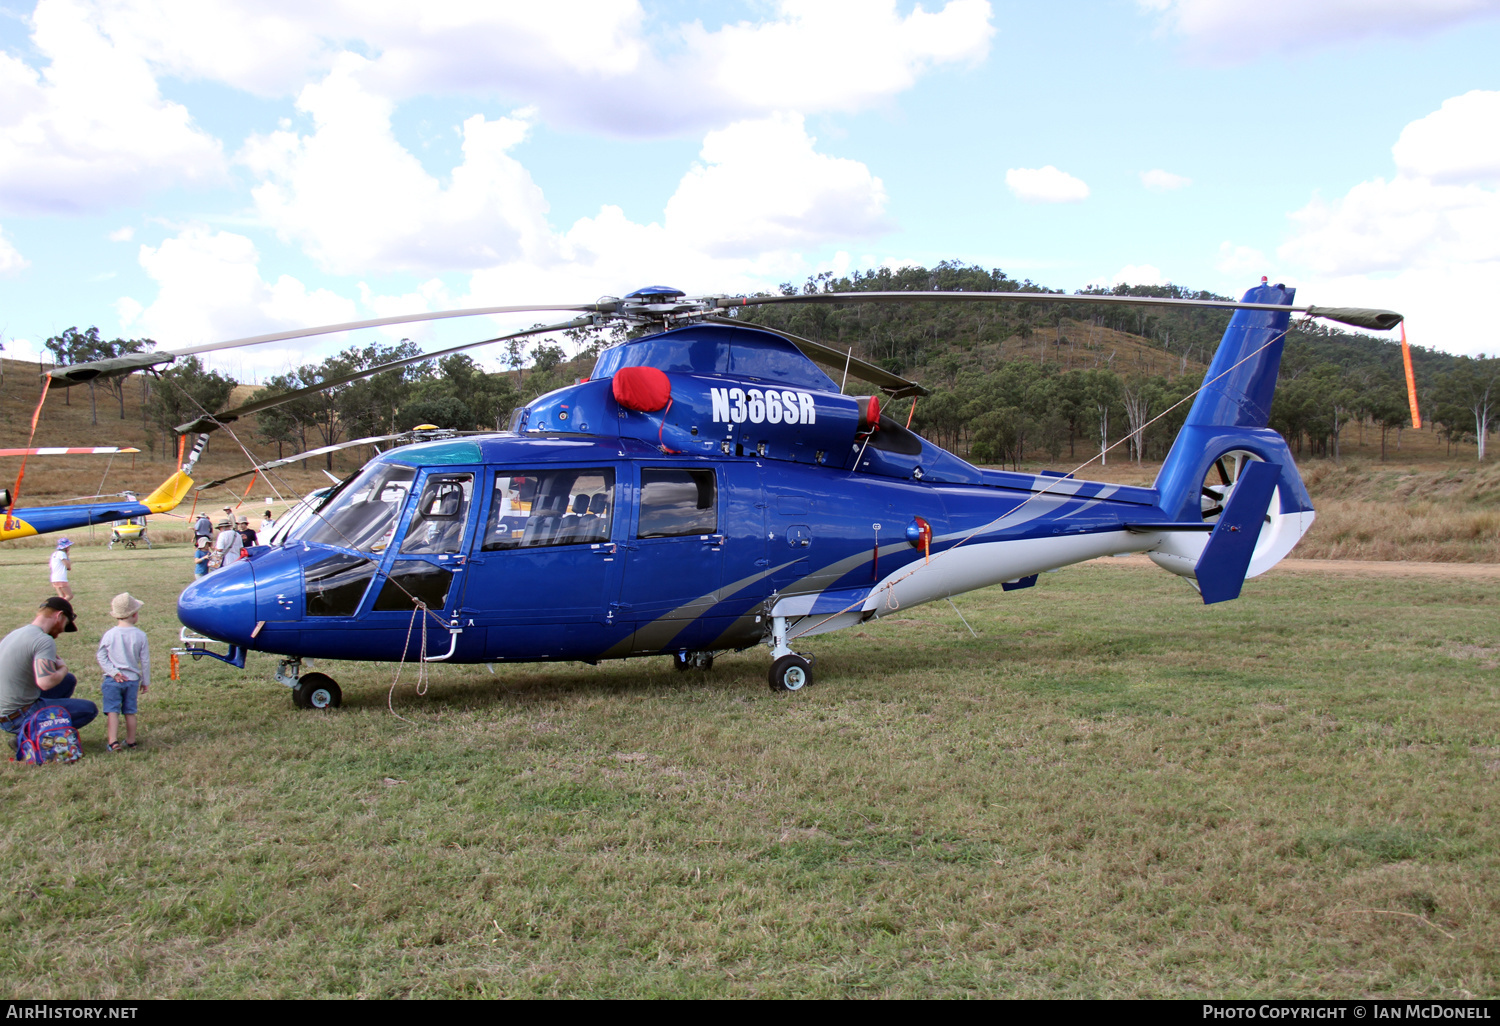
(299, 457)
(208, 423)
(96, 450)
(893, 384)
(1380, 320)
(79, 373)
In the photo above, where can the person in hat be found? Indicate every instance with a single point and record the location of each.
(125, 657)
(200, 557)
(203, 527)
(31, 674)
(227, 545)
(246, 532)
(61, 564)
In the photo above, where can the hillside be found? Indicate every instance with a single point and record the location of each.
(66, 421)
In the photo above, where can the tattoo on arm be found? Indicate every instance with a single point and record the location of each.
(46, 666)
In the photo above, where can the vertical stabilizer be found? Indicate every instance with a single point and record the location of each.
(1225, 434)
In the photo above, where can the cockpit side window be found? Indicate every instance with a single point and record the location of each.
(676, 503)
(534, 508)
(363, 513)
(437, 525)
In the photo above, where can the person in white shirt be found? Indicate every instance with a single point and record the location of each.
(61, 564)
(228, 543)
(125, 657)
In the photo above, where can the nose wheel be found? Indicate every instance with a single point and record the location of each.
(317, 691)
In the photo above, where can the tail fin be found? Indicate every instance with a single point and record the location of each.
(1230, 416)
(168, 494)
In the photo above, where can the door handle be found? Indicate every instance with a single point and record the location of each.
(713, 539)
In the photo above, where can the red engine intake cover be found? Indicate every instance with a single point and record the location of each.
(642, 388)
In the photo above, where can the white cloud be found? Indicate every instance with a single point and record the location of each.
(1132, 274)
(11, 260)
(1459, 142)
(762, 186)
(1421, 238)
(1241, 261)
(599, 63)
(360, 202)
(1045, 185)
(1227, 31)
(124, 234)
(1158, 180)
(91, 129)
(210, 288)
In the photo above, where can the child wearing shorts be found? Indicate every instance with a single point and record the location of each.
(60, 564)
(125, 657)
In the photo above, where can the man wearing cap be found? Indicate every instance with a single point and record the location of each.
(31, 674)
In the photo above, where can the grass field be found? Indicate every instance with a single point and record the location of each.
(1113, 791)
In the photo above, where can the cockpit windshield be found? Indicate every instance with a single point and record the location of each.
(363, 514)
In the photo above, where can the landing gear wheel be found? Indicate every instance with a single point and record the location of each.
(682, 661)
(317, 691)
(791, 673)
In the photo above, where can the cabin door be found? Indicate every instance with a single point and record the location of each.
(424, 560)
(544, 568)
(674, 558)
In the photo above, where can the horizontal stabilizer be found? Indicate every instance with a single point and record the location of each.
(1153, 528)
(1226, 558)
(1021, 582)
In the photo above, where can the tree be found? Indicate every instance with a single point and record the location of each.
(187, 390)
(445, 411)
(1103, 392)
(1471, 390)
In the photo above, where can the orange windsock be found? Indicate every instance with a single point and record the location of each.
(1411, 381)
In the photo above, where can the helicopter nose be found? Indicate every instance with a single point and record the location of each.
(221, 605)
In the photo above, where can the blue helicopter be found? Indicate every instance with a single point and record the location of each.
(709, 488)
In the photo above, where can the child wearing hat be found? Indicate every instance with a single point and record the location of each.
(61, 564)
(125, 657)
(200, 557)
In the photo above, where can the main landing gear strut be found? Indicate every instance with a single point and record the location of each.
(789, 671)
(309, 690)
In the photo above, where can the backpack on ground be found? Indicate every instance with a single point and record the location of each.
(48, 736)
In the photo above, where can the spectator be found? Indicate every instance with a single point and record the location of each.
(125, 657)
(61, 564)
(31, 674)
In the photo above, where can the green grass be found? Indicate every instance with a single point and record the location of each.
(1114, 791)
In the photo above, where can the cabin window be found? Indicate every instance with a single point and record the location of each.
(535, 508)
(411, 581)
(437, 525)
(362, 513)
(675, 503)
(336, 584)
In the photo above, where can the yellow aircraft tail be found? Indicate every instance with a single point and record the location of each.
(171, 492)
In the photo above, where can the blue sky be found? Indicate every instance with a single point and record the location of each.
(206, 170)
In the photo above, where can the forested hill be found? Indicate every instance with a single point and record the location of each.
(921, 337)
(1016, 379)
